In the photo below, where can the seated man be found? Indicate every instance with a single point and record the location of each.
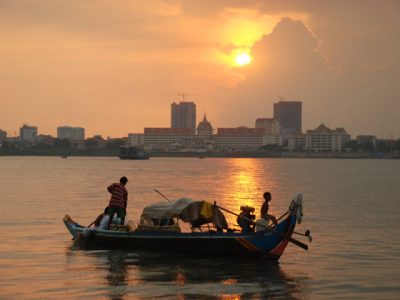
(265, 207)
(102, 220)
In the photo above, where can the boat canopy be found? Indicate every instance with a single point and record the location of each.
(188, 210)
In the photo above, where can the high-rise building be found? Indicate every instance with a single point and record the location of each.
(288, 113)
(28, 133)
(183, 115)
(71, 133)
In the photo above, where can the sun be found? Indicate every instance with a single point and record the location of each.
(241, 58)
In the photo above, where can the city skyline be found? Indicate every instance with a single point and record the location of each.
(110, 68)
(271, 125)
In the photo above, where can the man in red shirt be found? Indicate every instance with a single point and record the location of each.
(119, 200)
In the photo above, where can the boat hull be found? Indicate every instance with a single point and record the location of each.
(260, 244)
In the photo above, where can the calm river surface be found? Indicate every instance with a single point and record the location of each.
(352, 208)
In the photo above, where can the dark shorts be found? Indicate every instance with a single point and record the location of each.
(120, 212)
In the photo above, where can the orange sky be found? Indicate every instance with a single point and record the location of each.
(115, 67)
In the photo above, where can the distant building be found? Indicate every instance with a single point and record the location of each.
(323, 139)
(71, 133)
(272, 139)
(272, 131)
(366, 140)
(297, 142)
(167, 138)
(28, 134)
(45, 139)
(289, 115)
(3, 136)
(135, 139)
(204, 129)
(239, 138)
(95, 142)
(271, 125)
(183, 115)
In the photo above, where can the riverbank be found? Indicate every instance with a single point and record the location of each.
(265, 154)
(209, 154)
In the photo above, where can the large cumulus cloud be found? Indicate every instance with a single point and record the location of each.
(288, 64)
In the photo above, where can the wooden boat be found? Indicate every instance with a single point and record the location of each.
(164, 235)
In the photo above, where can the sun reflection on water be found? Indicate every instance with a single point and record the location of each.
(245, 183)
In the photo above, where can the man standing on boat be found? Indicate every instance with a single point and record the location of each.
(118, 200)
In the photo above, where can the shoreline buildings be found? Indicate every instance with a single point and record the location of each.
(284, 129)
(182, 135)
(281, 132)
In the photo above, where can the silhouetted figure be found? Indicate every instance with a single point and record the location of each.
(96, 222)
(265, 207)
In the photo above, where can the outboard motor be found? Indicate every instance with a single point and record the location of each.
(245, 219)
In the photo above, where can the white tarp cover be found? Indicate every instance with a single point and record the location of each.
(170, 209)
(187, 210)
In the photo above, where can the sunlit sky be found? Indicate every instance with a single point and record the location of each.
(115, 67)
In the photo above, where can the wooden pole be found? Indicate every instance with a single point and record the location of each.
(161, 194)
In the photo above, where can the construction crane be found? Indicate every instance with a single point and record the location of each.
(183, 94)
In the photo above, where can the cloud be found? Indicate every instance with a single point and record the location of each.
(287, 64)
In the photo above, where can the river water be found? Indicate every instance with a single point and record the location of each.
(352, 208)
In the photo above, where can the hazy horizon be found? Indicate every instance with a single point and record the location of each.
(115, 67)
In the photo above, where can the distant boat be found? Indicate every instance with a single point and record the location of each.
(129, 152)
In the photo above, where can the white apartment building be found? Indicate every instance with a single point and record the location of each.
(272, 131)
(239, 138)
(272, 139)
(135, 139)
(323, 139)
(271, 125)
(167, 137)
(71, 133)
(28, 133)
